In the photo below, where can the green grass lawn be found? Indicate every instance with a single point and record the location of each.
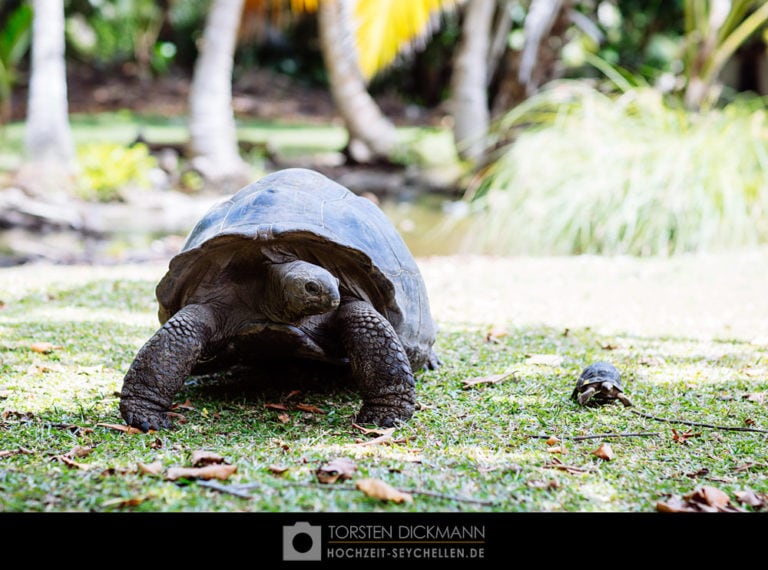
(464, 450)
(424, 144)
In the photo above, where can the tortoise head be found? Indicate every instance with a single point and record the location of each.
(298, 289)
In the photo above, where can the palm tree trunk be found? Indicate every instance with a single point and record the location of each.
(371, 134)
(213, 135)
(470, 79)
(48, 137)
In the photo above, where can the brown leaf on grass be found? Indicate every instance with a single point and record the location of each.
(699, 473)
(749, 497)
(552, 440)
(378, 489)
(711, 496)
(123, 428)
(79, 451)
(157, 444)
(43, 347)
(180, 418)
(604, 452)
(572, 469)
(310, 408)
(683, 437)
(557, 449)
(7, 414)
(750, 422)
(17, 451)
(337, 469)
(544, 359)
(292, 394)
(284, 418)
(70, 463)
(221, 472)
(201, 457)
(674, 504)
(492, 379)
(705, 499)
(759, 397)
(374, 431)
(277, 469)
(153, 468)
(609, 346)
(281, 407)
(122, 503)
(185, 406)
(386, 438)
(495, 334)
(744, 467)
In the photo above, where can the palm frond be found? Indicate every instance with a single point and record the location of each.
(386, 28)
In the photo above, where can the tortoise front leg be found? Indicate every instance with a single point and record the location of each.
(162, 365)
(379, 365)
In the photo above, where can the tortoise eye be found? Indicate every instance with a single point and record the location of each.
(312, 288)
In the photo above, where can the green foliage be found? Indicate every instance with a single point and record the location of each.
(632, 175)
(14, 42)
(106, 169)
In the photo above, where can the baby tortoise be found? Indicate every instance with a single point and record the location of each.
(600, 383)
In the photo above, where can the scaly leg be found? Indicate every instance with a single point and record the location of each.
(161, 366)
(379, 365)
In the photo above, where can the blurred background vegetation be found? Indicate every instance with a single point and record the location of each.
(548, 126)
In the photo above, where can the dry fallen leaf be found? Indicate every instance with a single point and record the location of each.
(493, 379)
(378, 489)
(544, 359)
(17, 451)
(749, 497)
(337, 469)
(157, 444)
(185, 406)
(557, 449)
(222, 472)
(699, 473)
(374, 431)
(281, 407)
(201, 457)
(495, 334)
(572, 469)
(153, 468)
(284, 418)
(705, 499)
(711, 496)
(43, 347)
(551, 484)
(683, 437)
(292, 394)
(309, 408)
(278, 470)
(604, 452)
(745, 467)
(750, 422)
(386, 438)
(552, 440)
(759, 397)
(120, 503)
(609, 346)
(79, 451)
(123, 428)
(70, 463)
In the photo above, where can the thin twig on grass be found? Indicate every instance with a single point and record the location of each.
(241, 491)
(229, 489)
(697, 424)
(598, 435)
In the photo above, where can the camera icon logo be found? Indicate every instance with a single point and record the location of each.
(301, 541)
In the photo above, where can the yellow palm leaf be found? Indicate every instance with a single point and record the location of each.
(385, 28)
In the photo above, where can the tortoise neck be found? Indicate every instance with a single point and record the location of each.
(298, 289)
